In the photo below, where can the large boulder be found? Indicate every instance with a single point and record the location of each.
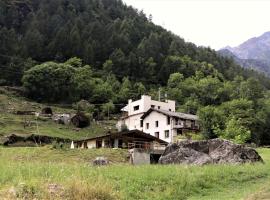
(80, 120)
(215, 151)
(185, 156)
(99, 161)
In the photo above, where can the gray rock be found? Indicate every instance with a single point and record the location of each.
(215, 151)
(99, 161)
(185, 156)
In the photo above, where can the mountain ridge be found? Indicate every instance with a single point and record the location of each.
(253, 53)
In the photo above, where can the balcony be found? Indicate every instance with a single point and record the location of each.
(178, 126)
(185, 126)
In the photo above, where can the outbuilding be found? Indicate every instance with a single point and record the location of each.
(125, 139)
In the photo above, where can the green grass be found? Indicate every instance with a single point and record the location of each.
(31, 170)
(11, 123)
(39, 167)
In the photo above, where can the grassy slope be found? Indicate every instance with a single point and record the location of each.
(11, 123)
(38, 167)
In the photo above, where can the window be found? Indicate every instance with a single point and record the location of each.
(158, 107)
(192, 124)
(156, 123)
(141, 123)
(147, 125)
(152, 106)
(179, 132)
(167, 133)
(157, 134)
(168, 120)
(136, 108)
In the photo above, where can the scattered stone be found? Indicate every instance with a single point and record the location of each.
(215, 151)
(61, 119)
(100, 161)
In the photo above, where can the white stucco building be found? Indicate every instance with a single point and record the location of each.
(156, 118)
(134, 110)
(167, 125)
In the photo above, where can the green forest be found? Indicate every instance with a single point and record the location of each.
(105, 52)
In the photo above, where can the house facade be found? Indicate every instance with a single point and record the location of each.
(157, 118)
(168, 125)
(134, 110)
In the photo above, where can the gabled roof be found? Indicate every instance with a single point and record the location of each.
(171, 114)
(133, 133)
(125, 109)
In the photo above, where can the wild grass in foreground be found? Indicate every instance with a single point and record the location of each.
(76, 179)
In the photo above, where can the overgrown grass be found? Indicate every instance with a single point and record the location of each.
(70, 169)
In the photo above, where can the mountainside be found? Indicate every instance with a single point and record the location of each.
(36, 31)
(254, 53)
(255, 48)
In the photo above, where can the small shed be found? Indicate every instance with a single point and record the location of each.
(125, 139)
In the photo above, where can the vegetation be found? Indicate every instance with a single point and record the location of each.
(105, 52)
(31, 171)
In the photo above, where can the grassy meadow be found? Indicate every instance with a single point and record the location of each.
(31, 172)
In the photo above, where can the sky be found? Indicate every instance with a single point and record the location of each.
(214, 23)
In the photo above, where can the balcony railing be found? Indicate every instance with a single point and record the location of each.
(147, 146)
(188, 126)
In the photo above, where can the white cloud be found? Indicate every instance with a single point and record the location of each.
(214, 23)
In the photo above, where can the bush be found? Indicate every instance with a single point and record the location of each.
(84, 105)
(234, 131)
(195, 136)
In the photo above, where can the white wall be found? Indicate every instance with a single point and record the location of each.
(162, 125)
(133, 122)
(91, 144)
(145, 103)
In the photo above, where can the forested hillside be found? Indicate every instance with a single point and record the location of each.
(106, 52)
(95, 31)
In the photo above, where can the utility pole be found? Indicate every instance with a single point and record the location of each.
(159, 94)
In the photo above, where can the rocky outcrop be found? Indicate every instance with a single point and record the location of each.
(216, 151)
(33, 140)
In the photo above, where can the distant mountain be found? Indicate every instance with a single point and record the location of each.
(254, 53)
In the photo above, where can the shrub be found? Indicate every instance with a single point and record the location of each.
(234, 131)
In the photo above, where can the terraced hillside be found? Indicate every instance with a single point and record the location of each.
(11, 123)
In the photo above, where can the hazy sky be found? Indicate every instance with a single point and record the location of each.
(214, 23)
